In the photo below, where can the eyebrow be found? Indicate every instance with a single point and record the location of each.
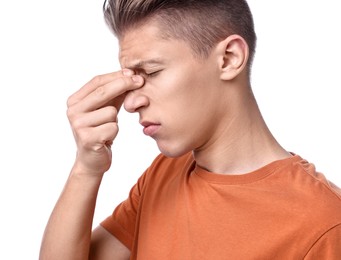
(141, 64)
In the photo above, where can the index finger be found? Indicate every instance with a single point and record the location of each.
(96, 82)
(109, 94)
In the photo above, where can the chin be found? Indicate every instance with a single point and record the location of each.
(173, 150)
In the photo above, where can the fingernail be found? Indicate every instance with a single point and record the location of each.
(127, 72)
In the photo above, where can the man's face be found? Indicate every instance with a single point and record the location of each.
(178, 104)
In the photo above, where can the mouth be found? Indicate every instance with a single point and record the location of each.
(150, 128)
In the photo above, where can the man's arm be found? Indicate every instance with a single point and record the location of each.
(105, 246)
(92, 112)
(68, 232)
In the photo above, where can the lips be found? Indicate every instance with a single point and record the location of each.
(150, 128)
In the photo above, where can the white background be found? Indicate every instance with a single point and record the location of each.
(48, 49)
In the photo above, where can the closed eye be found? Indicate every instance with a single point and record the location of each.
(152, 74)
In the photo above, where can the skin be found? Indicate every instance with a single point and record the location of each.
(200, 105)
(92, 112)
(187, 104)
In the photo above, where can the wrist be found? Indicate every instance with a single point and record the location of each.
(82, 170)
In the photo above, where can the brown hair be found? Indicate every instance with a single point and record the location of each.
(201, 23)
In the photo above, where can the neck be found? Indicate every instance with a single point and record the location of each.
(241, 142)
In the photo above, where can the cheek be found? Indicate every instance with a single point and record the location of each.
(181, 91)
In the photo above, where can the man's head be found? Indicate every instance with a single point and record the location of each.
(194, 58)
(200, 23)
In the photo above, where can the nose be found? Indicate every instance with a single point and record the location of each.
(135, 100)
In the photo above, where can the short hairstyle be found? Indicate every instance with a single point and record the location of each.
(201, 23)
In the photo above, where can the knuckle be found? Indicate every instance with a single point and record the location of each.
(69, 101)
(96, 81)
(75, 120)
(77, 123)
(100, 91)
(70, 113)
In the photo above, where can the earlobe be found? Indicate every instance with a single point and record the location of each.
(233, 58)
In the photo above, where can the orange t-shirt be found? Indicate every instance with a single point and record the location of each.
(177, 210)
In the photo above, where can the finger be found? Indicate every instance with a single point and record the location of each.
(108, 93)
(108, 132)
(117, 102)
(95, 118)
(95, 138)
(96, 82)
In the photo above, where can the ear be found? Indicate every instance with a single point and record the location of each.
(233, 55)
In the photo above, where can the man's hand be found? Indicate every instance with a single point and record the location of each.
(92, 112)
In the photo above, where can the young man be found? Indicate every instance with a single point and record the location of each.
(222, 187)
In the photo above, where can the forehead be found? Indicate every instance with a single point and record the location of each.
(137, 44)
(145, 46)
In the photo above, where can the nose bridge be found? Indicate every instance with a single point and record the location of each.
(135, 100)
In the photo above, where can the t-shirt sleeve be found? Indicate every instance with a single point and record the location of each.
(328, 246)
(122, 222)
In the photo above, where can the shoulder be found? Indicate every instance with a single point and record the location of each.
(317, 180)
(320, 198)
(311, 197)
(327, 246)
